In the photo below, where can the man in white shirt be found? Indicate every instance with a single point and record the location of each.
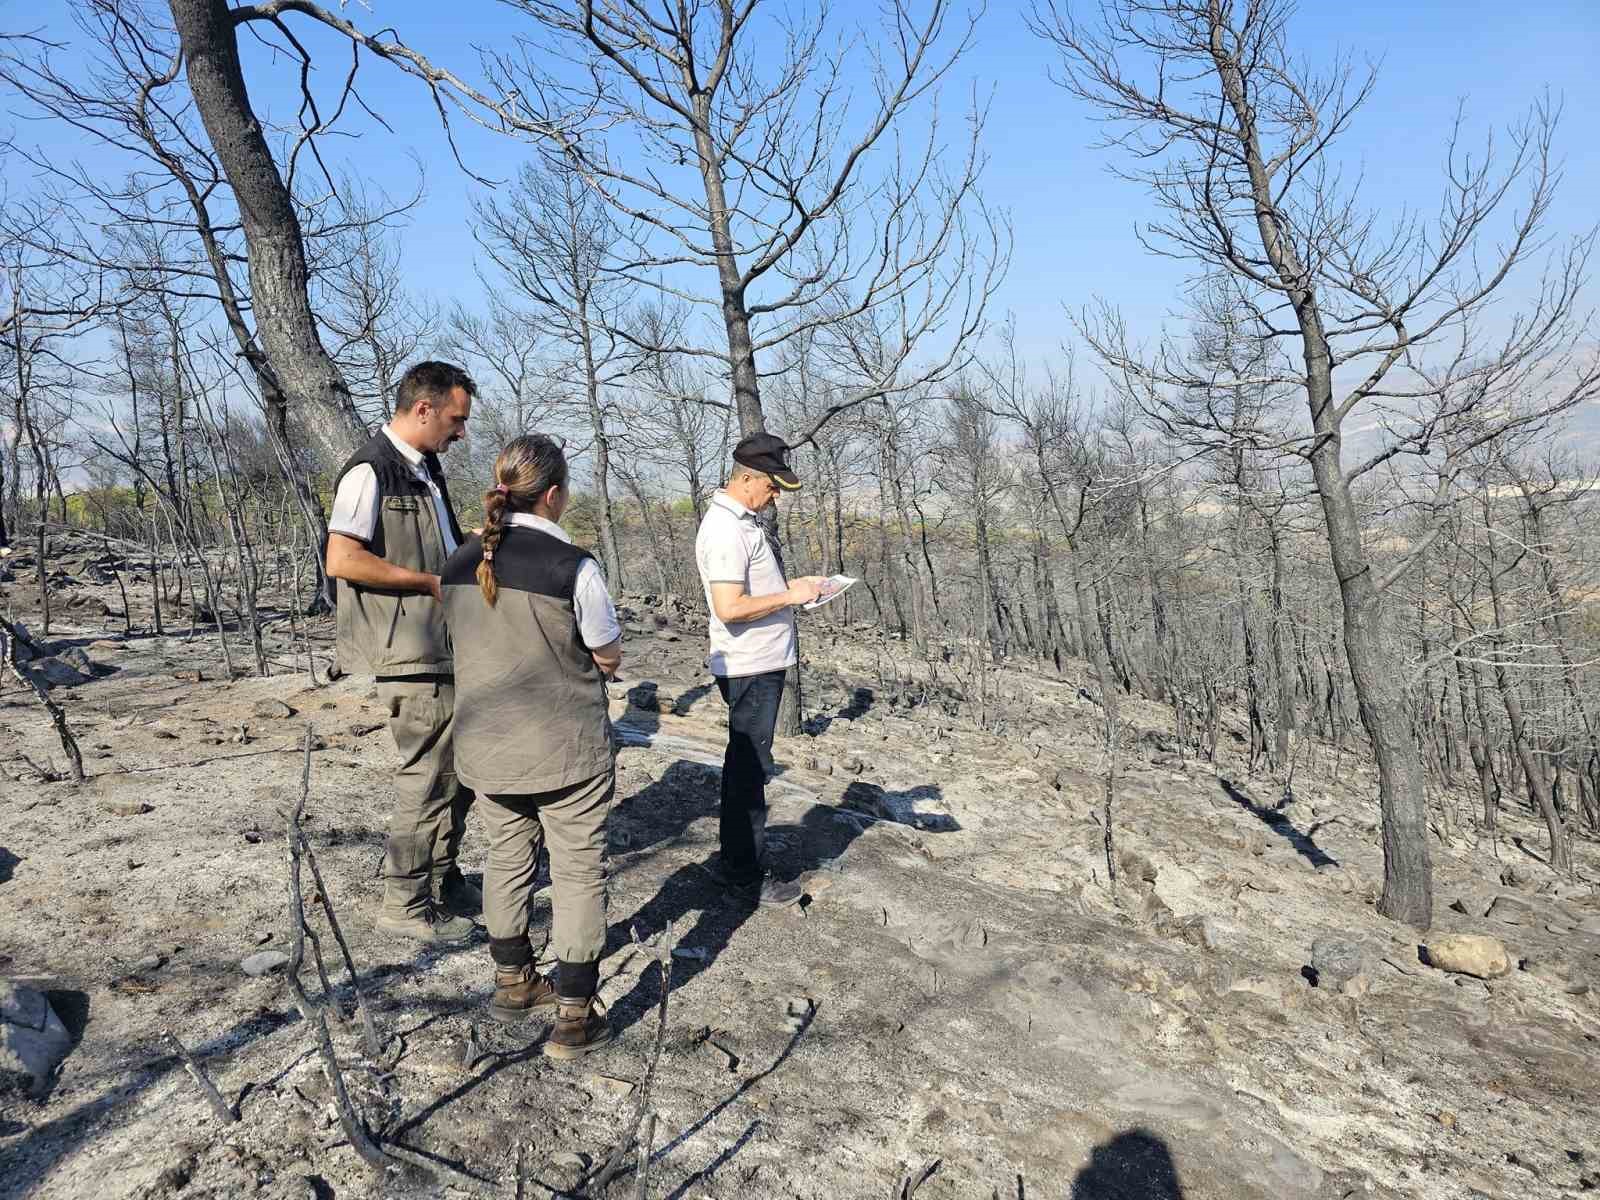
(391, 530)
(752, 646)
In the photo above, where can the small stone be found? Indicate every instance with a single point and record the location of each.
(667, 635)
(166, 735)
(1137, 868)
(271, 709)
(362, 728)
(1446, 1118)
(151, 962)
(852, 765)
(1336, 960)
(264, 963)
(610, 1084)
(1474, 954)
(126, 808)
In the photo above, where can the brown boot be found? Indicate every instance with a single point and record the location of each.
(519, 992)
(580, 1028)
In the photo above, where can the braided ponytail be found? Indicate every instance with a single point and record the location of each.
(495, 503)
(529, 466)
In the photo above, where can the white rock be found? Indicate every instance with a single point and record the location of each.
(264, 963)
(1474, 954)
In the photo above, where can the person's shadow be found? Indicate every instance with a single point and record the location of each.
(687, 791)
(1135, 1165)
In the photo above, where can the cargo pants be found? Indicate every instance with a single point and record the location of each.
(572, 820)
(430, 804)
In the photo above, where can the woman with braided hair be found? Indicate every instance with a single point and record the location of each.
(535, 637)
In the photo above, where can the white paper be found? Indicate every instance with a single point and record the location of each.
(832, 587)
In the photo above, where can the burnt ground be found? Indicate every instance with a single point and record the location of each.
(962, 987)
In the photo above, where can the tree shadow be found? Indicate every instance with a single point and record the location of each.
(686, 701)
(8, 864)
(686, 792)
(899, 808)
(858, 705)
(1135, 1165)
(1276, 821)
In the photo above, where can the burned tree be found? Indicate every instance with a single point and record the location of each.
(552, 238)
(1233, 136)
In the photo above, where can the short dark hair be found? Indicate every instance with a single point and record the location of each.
(435, 380)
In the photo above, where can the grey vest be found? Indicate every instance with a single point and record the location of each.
(530, 703)
(384, 632)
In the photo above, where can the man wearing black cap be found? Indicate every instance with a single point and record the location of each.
(752, 646)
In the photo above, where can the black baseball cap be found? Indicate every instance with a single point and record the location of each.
(765, 452)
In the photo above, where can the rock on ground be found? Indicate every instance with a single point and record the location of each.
(33, 1041)
(1473, 954)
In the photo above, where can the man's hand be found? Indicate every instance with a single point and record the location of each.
(807, 588)
(734, 606)
(435, 589)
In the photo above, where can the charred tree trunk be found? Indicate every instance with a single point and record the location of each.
(276, 249)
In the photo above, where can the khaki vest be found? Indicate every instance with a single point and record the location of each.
(384, 632)
(530, 710)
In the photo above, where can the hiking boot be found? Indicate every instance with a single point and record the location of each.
(519, 992)
(426, 925)
(458, 897)
(580, 1028)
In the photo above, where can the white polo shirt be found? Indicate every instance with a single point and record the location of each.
(355, 504)
(731, 548)
(591, 601)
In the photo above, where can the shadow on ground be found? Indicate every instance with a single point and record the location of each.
(687, 791)
(1135, 1165)
(1280, 825)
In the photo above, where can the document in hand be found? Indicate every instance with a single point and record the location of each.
(834, 585)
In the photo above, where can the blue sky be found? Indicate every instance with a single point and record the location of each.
(1074, 221)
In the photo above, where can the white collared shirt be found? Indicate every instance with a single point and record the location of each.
(731, 548)
(591, 599)
(355, 504)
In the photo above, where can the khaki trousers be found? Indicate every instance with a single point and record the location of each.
(430, 805)
(573, 821)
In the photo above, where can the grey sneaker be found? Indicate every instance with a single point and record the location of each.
(429, 925)
(764, 889)
(459, 898)
(768, 892)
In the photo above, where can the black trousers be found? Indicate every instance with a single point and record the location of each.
(752, 702)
